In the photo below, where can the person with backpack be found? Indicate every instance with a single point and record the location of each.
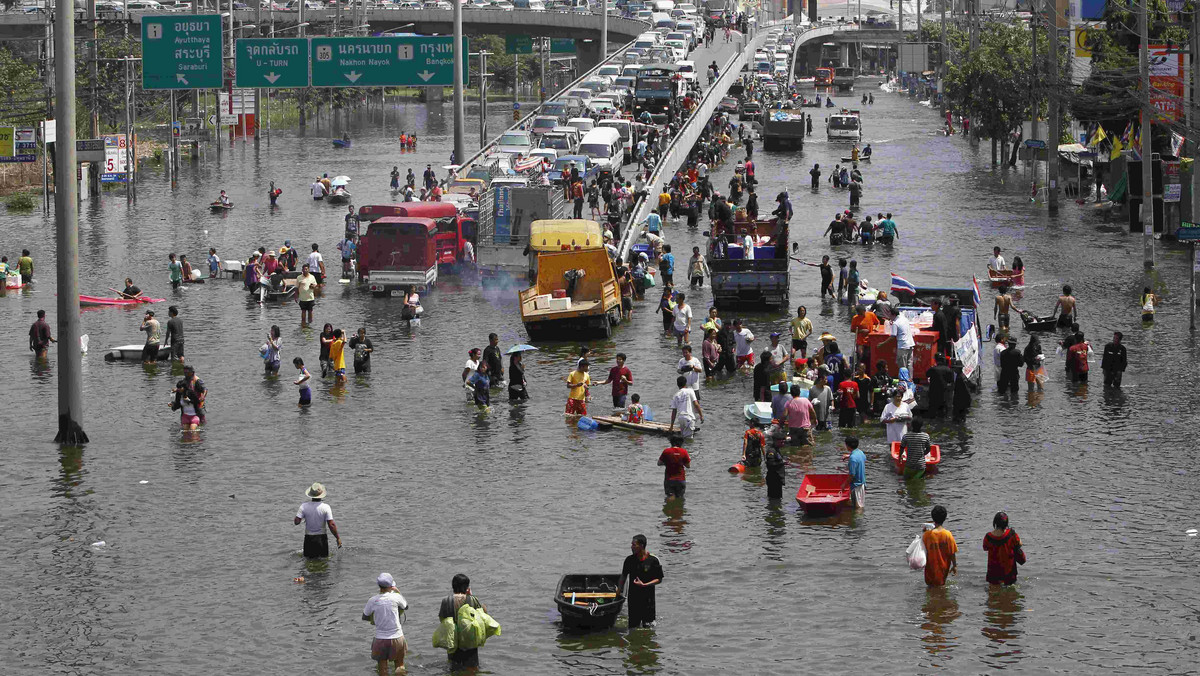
(1077, 357)
(754, 442)
(773, 459)
(460, 595)
(1003, 546)
(666, 266)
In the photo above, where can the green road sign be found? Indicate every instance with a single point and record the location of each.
(403, 60)
(271, 63)
(181, 51)
(518, 44)
(562, 45)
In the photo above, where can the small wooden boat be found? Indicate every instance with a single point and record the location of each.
(866, 158)
(217, 207)
(932, 459)
(340, 197)
(1033, 322)
(341, 143)
(646, 427)
(759, 412)
(134, 353)
(824, 494)
(589, 600)
(97, 301)
(1006, 277)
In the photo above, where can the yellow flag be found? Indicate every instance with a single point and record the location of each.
(1100, 135)
(1116, 148)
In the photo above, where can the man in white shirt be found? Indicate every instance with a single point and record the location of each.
(779, 359)
(742, 339)
(315, 514)
(316, 265)
(318, 190)
(896, 416)
(683, 320)
(997, 263)
(903, 331)
(691, 368)
(383, 610)
(702, 170)
(1001, 346)
(682, 405)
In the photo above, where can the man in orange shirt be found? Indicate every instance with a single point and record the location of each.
(940, 550)
(864, 320)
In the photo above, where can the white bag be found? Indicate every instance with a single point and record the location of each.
(916, 554)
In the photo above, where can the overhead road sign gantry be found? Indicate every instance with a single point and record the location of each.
(271, 63)
(386, 61)
(182, 51)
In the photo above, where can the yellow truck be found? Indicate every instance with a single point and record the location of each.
(575, 296)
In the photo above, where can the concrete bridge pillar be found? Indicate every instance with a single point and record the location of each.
(844, 54)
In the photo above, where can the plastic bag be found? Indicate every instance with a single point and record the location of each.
(916, 554)
(471, 631)
(490, 626)
(445, 635)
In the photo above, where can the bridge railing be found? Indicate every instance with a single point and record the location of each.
(677, 152)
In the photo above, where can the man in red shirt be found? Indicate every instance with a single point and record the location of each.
(620, 377)
(847, 403)
(676, 461)
(577, 193)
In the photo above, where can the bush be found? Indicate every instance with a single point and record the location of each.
(20, 202)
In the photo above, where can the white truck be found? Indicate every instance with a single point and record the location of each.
(844, 126)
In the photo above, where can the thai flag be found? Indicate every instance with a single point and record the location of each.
(902, 285)
(975, 290)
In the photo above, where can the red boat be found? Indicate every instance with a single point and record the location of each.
(97, 301)
(1006, 277)
(932, 459)
(821, 494)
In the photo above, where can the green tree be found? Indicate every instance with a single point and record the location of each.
(24, 98)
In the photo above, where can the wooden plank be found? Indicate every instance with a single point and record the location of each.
(590, 595)
(649, 427)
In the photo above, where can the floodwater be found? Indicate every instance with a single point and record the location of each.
(200, 555)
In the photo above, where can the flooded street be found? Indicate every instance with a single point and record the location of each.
(200, 555)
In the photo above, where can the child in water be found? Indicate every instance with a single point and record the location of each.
(635, 412)
(302, 382)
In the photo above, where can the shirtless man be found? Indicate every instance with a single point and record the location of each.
(1067, 303)
(1004, 303)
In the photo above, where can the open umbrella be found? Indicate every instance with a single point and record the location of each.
(520, 348)
(340, 180)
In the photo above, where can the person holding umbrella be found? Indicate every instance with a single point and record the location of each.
(516, 373)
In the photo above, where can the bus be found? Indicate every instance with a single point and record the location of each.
(656, 87)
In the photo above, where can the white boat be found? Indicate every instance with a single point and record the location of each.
(134, 353)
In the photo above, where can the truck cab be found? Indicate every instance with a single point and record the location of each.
(454, 229)
(397, 252)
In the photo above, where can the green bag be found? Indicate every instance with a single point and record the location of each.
(445, 635)
(650, 281)
(471, 630)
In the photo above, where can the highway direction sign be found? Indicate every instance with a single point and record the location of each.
(181, 51)
(394, 61)
(271, 63)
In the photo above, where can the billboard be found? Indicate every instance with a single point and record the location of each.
(1166, 83)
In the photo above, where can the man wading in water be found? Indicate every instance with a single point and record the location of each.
(645, 572)
(1067, 302)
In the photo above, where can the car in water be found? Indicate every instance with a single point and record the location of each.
(729, 105)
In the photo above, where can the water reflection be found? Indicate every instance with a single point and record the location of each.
(672, 533)
(641, 651)
(70, 475)
(940, 611)
(775, 517)
(1002, 617)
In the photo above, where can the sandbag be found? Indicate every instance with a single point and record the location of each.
(916, 554)
(445, 635)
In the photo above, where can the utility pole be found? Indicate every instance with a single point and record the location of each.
(1035, 101)
(1055, 125)
(604, 30)
(1147, 124)
(1192, 122)
(483, 76)
(94, 70)
(945, 67)
(460, 112)
(300, 33)
(66, 230)
(258, 22)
